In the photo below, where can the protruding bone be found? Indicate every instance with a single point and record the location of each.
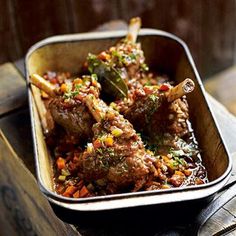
(97, 107)
(43, 84)
(183, 88)
(134, 27)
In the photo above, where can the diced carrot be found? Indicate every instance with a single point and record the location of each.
(110, 115)
(94, 80)
(179, 173)
(76, 194)
(148, 90)
(61, 164)
(198, 181)
(78, 81)
(79, 97)
(187, 172)
(60, 189)
(97, 143)
(65, 194)
(109, 141)
(103, 56)
(165, 159)
(64, 88)
(84, 191)
(69, 191)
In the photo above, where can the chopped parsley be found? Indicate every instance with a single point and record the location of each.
(144, 67)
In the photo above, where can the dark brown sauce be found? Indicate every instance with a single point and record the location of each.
(179, 160)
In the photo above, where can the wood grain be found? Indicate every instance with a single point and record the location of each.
(222, 86)
(207, 26)
(24, 211)
(17, 129)
(37, 19)
(9, 41)
(225, 216)
(12, 89)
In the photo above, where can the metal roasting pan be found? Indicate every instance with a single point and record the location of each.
(167, 54)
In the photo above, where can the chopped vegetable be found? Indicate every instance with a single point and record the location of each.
(141, 141)
(78, 81)
(97, 143)
(90, 148)
(62, 178)
(61, 164)
(65, 172)
(64, 88)
(84, 191)
(69, 191)
(76, 194)
(117, 132)
(164, 87)
(109, 141)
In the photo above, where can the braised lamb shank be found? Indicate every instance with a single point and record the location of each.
(161, 109)
(116, 157)
(67, 106)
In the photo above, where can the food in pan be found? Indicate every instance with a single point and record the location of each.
(118, 126)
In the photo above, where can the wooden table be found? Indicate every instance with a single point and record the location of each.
(15, 124)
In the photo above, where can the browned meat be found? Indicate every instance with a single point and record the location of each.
(116, 158)
(66, 103)
(153, 114)
(127, 56)
(73, 116)
(69, 109)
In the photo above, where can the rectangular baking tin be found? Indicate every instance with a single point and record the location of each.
(167, 54)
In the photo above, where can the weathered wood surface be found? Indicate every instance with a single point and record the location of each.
(12, 89)
(222, 86)
(24, 210)
(207, 26)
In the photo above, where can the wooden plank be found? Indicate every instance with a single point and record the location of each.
(87, 15)
(37, 20)
(226, 122)
(20, 65)
(218, 35)
(17, 129)
(225, 216)
(9, 43)
(177, 17)
(12, 90)
(221, 220)
(24, 211)
(222, 86)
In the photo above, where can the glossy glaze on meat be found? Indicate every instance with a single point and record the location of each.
(141, 141)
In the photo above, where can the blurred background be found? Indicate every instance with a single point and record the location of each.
(207, 26)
